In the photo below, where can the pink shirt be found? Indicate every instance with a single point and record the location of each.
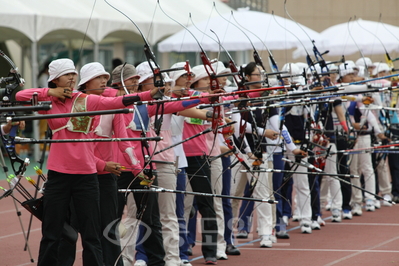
(78, 157)
(166, 134)
(198, 145)
(169, 108)
(103, 151)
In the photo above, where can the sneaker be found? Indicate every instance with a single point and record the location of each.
(386, 201)
(266, 242)
(232, 250)
(282, 235)
(370, 205)
(242, 234)
(286, 220)
(273, 238)
(328, 206)
(357, 209)
(395, 199)
(315, 225)
(185, 263)
(190, 250)
(336, 216)
(211, 261)
(347, 214)
(306, 229)
(140, 263)
(321, 221)
(221, 255)
(296, 218)
(377, 204)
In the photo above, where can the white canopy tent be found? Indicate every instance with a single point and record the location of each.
(264, 27)
(44, 21)
(37, 18)
(341, 42)
(30, 22)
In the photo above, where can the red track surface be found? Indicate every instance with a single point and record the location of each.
(369, 240)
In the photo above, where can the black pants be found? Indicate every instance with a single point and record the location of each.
(147, 213)
(109, 220)
(60, 190)
(343, 168)
(394, 168)
(199, 174)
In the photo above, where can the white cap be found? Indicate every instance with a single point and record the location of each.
(345, 70)
(380, 67)
(219, 68)
(199, 72)
(60, 67)
(292, 69)
(364, 61)
(351, 64)
(144, 71)
(91, 71)
(362, 71)
(168, 79)
(332, 66)
(178, 73)
(302, 66)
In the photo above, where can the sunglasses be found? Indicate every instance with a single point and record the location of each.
(186, 75)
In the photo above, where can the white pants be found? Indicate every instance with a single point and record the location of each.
(330, 182)
(167, 210)
(384, 177)
(217, 185)
(301, 185)
(128, 242)
(362, 164)
(262, 190)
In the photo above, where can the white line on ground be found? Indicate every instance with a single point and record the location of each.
(362, 251)
(19, 233)
(377, 224)
(7, 211)
(327, 250)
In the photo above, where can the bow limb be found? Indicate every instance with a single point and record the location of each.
(144, 143)
(388, 59)
(12, 82)
(309, 60)
(366, 72)
(158, 83)
(214, 84)
(256, 56)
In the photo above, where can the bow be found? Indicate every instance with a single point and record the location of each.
(145, 148)
(12, 82)
(238, 78)
(159, 83)
(18, 165)
(250, 116)
(214, 84)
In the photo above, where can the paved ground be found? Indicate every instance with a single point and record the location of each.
(369, 240)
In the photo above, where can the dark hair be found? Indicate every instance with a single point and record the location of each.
(51, 85)
(249, 68)
(116, 62)
(44, 69)
(82, 88)
(194, 84)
